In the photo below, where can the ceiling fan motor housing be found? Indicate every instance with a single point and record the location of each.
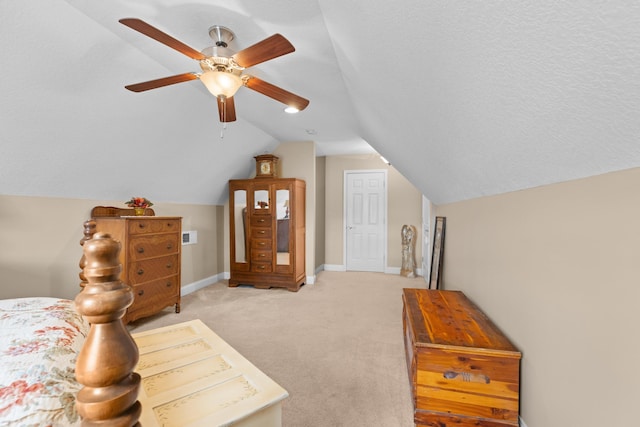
(221, 35)
(219, 55)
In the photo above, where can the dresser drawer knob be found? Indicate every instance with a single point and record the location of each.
(262, 255)
(262, 243)
(262, 267)
(168, 284)
(140, 250)
(169, 246)
(141, 292)
(141, 225)
(169, 224)
(169, 265)
(261, 232)
(261, 220)
(140, 272)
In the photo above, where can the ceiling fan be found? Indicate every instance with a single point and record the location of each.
(222, 68)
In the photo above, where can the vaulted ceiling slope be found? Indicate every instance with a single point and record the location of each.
(465, 98)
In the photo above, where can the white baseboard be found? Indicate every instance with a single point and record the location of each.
(334, 267)
(192, 287)
(522, 424)
(310, 280)
(340, 267)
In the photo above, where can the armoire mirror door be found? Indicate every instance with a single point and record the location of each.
(261, 201)
(283, 227)
(240, 225)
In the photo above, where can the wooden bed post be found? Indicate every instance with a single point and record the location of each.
(106, 362)
(89, 231)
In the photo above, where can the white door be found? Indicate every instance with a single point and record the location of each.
(365, 233)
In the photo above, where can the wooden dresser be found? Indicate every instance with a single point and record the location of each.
(191, 377)
(463, 371)
(150, 258)
(267, 232)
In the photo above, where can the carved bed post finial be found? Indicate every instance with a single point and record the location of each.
(89, 231)
(107, 359)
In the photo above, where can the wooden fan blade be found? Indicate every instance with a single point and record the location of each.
(277, 93)
(227, 110)
(156, 34)
(267, 49)
(165, 81)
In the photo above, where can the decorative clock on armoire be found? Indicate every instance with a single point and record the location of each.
(266, 166)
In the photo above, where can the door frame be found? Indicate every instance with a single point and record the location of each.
(385, 221)
(426, 239)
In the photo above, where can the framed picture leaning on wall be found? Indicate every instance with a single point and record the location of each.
(437, 253)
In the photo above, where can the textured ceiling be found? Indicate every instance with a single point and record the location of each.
(465, 98)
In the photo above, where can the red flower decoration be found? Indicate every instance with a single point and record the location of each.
(139, 202)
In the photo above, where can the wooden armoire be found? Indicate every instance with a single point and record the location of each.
(267, 232)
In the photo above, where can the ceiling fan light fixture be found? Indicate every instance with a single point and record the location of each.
(221, 83)
(291, 110)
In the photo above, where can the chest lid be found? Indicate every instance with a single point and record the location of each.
(449, 319)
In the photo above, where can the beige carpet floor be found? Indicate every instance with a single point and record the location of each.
(336, 346)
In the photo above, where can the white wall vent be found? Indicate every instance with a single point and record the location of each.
(189, 237)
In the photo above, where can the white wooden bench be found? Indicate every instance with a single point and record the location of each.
(191, 377)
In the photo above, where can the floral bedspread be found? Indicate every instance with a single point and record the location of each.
(40, 339)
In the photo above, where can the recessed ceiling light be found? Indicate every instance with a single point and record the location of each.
(311, 131)
(291, 110)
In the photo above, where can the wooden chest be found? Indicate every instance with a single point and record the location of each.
(150, 258)
(463, 371)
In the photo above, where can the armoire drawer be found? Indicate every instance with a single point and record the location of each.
(261, 256)
(261, 244)
(261, 233)
(260, 267)
(261, 221)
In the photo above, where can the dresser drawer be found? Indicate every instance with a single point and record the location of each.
(152, 296)
(151, 246)
(157, 225)
(149, 269)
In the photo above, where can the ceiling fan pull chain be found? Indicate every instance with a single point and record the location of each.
(224, 127)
